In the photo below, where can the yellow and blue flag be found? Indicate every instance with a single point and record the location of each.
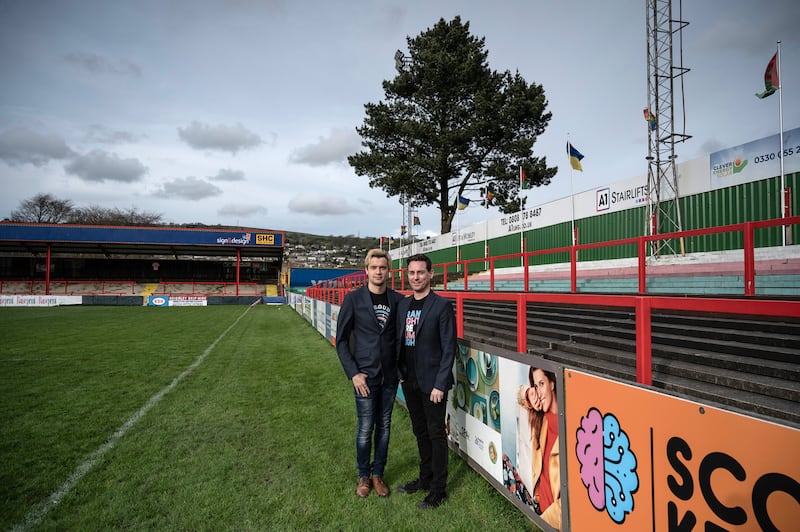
(574, 157)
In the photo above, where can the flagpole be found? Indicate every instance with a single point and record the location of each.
(411, 226)
(458, 241)
(784, 198)
(572, 201)
(486, 242)
(571, 193)
(521, 233)
(402, 217)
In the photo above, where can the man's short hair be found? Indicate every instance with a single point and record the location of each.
(377, 254)
(421, 257)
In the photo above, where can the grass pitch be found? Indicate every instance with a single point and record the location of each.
(197, 418)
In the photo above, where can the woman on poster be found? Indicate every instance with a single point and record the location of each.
(537, 448)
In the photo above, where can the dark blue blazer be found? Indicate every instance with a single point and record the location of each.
(362, 346)
(435, 348)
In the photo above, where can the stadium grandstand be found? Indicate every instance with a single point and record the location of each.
(83, 264)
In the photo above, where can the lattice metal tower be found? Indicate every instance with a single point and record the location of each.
(663, 69)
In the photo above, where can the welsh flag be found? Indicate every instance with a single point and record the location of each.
(771, 82)
(524, 182)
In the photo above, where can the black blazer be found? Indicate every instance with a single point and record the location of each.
(436, 345)
(362, 346)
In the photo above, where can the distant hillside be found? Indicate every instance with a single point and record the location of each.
(304, 250)
(332, 241)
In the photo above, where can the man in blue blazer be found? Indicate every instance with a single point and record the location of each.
(426, 347)
(365, 343)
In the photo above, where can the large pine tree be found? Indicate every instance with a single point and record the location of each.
(451, 126)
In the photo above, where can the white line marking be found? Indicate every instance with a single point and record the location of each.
(37, 513)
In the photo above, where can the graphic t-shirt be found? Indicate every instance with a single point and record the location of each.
(380, 303)
(410, 336)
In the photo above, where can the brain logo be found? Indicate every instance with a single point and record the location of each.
(608, 466)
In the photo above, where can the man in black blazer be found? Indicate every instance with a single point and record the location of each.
(365, 343)
(426, 347)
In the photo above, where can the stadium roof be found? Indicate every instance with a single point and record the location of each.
(151, 240)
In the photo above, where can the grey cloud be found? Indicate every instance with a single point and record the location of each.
(266, 7)
(316, 204)
(741, 29)
(710, 146)
(331, 149)
(103, 135)
(21, 146)
(97, 64)
(190, 188)
(223, 138)
(245, 210)
(99, 166)
(226, 174)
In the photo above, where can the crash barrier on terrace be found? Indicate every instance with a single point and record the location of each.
(109, 287)
(742, 275)
(70, 287)
(777, 273)
(42, 300)
(630, 455)
(210, 288)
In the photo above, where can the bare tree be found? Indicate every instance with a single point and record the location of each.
(96, 215)
(42, 208)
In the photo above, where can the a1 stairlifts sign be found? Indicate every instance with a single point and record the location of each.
(621, 196)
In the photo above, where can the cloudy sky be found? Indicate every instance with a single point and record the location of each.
(242, 112)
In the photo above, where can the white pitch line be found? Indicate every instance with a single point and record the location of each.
(37, 513)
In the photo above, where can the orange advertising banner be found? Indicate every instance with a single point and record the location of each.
(643, 460)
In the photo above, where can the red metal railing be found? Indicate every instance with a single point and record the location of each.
(747, 230)
(333, 291)
(642, 306)
(106, 287)
(209, 288)
(71, 287)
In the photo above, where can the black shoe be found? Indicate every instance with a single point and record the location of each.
(412, 487)
(432, 500)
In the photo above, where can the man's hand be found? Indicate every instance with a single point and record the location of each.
(360, 384)
(437, 396)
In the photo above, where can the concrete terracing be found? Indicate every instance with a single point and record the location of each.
(777, 272)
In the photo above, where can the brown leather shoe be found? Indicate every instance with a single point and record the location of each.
(364, 486)
(380, 487)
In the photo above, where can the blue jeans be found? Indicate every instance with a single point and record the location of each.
(374, 414)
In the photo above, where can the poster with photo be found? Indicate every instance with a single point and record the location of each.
(473, 413)
(504, 415)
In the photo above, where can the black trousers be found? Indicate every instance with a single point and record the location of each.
(427, 422)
